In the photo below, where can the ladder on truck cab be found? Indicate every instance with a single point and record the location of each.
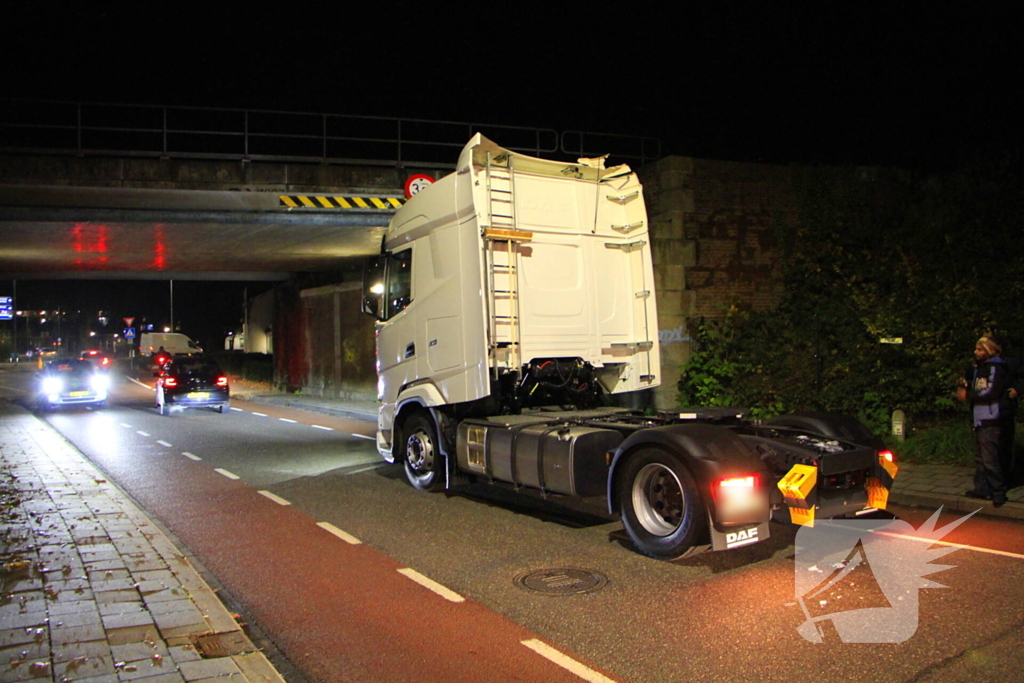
(501, 251)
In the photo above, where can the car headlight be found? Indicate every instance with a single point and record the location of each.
(52, 385)
(99, 382)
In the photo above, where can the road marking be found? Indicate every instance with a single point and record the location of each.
(238, 410)
(285, 419)
(367, 468)
(126, 425)
(227, 474)
(990, 551)
(567, 663)
(165, 444)
(329, 429)
(191, 456)
(142, 433)
(343, 535)
(364, 436)
(277, 499)
(430, 584)
(259, 414)
(141, 384)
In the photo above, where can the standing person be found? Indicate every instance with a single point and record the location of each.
(989, 386)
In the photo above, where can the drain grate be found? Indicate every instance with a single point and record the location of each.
(562, 581)
(222, 644)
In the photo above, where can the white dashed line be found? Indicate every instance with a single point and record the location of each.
(430, 584)
(238, 410)
(329, 429)
(568, 663)
(165, 444)
(227, 474)
(285, 419)
(191, 456)
(343, 535)
(277, 499)
(142, 433)
(141, 384)
(364, 436)
(126, 425)
(259, 414)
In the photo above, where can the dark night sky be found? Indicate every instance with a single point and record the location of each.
(904, 84)
(914, 85)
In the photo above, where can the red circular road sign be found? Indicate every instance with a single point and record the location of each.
(417, 182)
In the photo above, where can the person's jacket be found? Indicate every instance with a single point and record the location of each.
(988, 386)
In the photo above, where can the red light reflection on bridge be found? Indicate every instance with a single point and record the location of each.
(90, 245)
(159, 249)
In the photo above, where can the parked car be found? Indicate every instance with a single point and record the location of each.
(191, 382)
(70, 381)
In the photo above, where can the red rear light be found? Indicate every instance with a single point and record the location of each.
(105, 361)
(222, 381)
(887, 455)
(170, 382)
(730, 488)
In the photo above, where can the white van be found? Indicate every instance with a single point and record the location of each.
(174, 343)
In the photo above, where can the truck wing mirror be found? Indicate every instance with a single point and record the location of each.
(373, 287)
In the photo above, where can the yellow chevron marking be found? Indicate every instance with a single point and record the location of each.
(288, 201)
(325, 202)
(394, 202)
(378, 203)
(306, 201)
(343, 203)
(360, 202)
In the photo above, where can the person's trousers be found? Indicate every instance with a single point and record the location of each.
(989, 479)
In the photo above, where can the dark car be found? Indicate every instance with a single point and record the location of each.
(70, 381)
(191, 382)
(102, 360)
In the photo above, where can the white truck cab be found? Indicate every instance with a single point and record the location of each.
(516, 295)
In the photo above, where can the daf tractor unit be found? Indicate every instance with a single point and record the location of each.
(515, 302)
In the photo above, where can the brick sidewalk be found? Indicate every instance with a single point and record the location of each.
(91, 589)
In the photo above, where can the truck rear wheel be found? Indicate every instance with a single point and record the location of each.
(660, 505)
(424, 464)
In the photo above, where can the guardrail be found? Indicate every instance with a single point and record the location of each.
(103, 129)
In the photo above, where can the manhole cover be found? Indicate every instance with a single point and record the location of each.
(222, 644)
(561, 581)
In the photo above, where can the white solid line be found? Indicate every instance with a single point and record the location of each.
(142, 433)
(259, 414)
(343, 535)
(191, 456)
(165, 444)
(329, 429)
(227, 474)
(990, 551)
(285, 419)
(430, 584)
(567, 663)
(126, 425)
(364, 436)
(238, 410)
(277, 499)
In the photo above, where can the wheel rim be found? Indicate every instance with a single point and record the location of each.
(419, 452)
(658, 499)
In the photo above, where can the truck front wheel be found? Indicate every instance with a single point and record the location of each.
(424, 464)
(660, 505)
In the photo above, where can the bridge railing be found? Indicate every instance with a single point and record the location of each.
(101, 129)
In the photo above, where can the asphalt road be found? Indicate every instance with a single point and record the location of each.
(246, 491)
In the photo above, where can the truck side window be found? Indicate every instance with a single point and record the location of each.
(399, 277)
(387, 284)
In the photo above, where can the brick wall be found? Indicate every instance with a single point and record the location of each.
(713, 232)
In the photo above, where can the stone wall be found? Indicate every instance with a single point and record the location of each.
(714, 233)
(339, 348)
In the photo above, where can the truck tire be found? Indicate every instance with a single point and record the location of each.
(424, 464)
(660, 505)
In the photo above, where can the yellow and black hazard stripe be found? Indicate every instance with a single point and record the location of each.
(310, 201)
